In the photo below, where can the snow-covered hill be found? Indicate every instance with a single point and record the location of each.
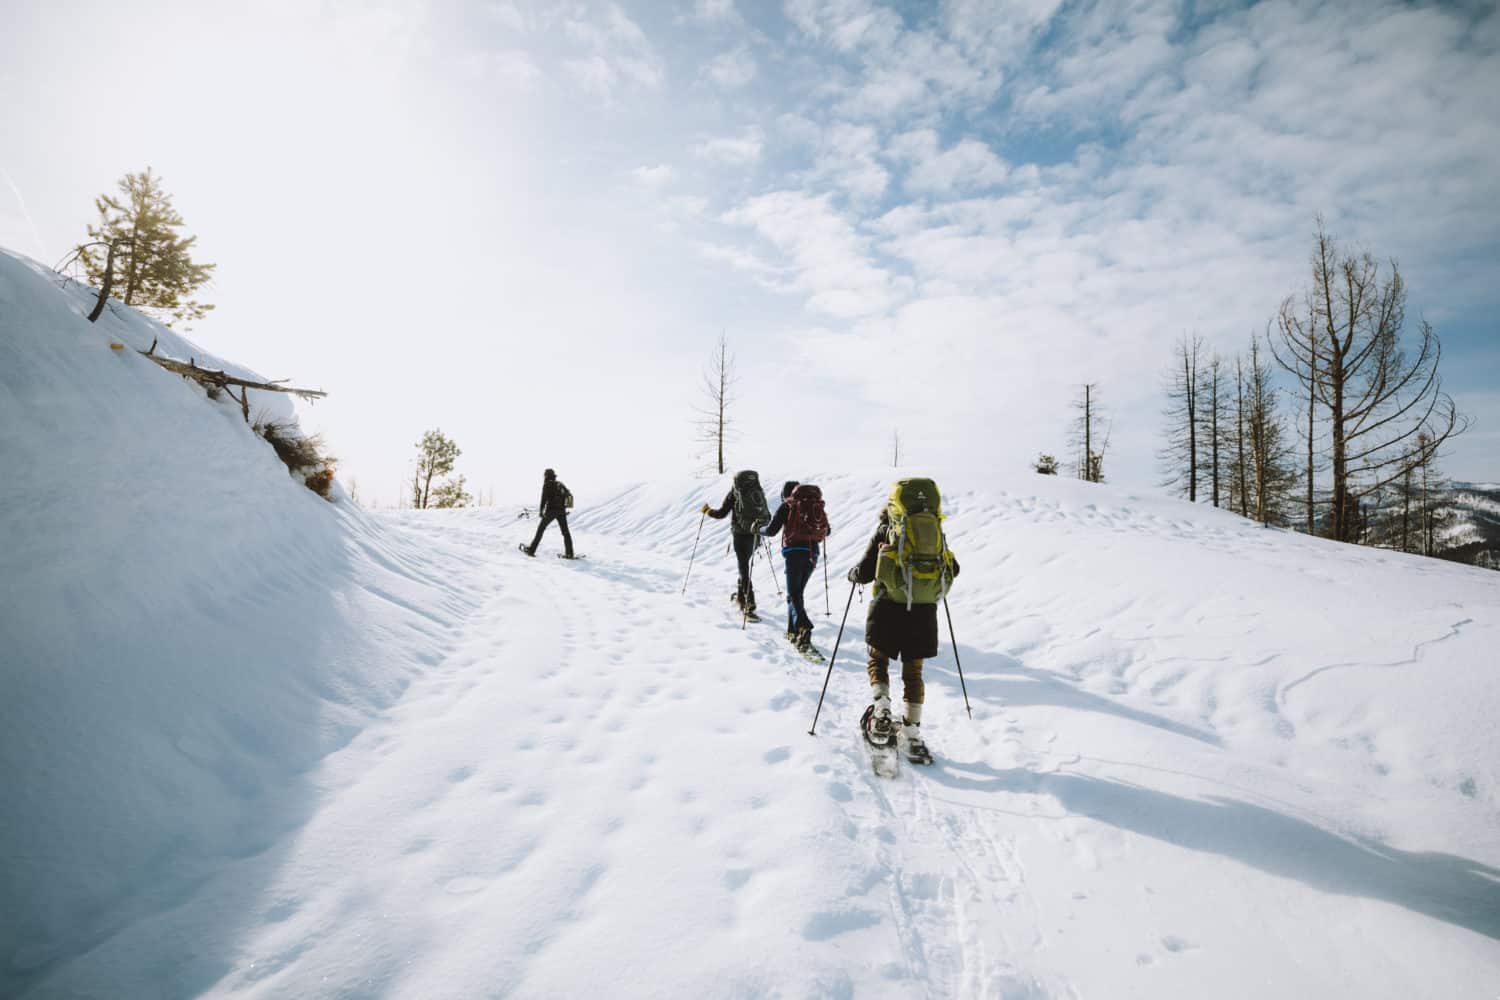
(1471, 534)
(260, 745)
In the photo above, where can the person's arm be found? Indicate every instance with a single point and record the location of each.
(778, 522)
(865, 571)
(541, 505)
(723, 509)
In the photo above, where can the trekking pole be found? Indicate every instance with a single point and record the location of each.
(827, 609)
(813, 730)
(772, 564)
(960, 665)
(695, 552)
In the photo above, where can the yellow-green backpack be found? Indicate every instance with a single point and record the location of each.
(914, 565)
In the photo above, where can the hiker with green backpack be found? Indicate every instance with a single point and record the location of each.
(909, 563)
(745, 506)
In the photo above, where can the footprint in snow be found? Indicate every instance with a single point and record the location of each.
(777, 755)
(832, 923)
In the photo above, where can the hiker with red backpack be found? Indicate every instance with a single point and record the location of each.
(803, 525)
(745, 506)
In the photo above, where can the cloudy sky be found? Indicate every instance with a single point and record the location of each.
(527, 223)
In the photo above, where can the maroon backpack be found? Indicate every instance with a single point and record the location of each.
(806, 520)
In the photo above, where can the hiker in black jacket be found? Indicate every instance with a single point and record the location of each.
(745, 528)
(553, 506)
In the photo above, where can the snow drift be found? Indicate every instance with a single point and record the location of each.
(261, 745)
(181, 633)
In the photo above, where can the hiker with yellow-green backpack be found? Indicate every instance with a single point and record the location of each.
(912, 569)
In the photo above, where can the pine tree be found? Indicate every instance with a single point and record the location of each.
(138, 255)
(436, 454)
(452, 494)
(1271, 470)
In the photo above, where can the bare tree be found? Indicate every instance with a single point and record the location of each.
(1089, 434)
(1344, 345)
(1298, 349)
(1214, 407)
(1179, 458)
(896, 448)
(719, 380)
(1239, 484)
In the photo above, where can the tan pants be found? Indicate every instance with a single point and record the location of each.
(879, 669)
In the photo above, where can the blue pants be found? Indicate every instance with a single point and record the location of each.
(800, 563)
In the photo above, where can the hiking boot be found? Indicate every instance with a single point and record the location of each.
(916, 750)
(803, 638)
(881, 726)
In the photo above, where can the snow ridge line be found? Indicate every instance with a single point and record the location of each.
(1417, 652)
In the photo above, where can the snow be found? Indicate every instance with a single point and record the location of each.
(257, 744)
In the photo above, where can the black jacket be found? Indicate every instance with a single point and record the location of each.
(890, 627)
(725, 509)
(553, 501)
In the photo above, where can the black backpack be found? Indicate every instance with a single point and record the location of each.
(750, 511)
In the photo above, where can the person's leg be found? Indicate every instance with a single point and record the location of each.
(541, 526)
(789, 562)
(562, 523)
(797, 589)
(912, 689)
(744, 548)
(796, 569)
(878, 667)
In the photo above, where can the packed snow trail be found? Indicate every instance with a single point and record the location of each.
(608, 786)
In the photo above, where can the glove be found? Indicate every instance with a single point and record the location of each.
(853, 575)
(703, 509)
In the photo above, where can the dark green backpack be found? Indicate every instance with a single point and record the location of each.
(750, 511)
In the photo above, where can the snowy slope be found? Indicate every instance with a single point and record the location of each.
(270, 747)
(184, 632)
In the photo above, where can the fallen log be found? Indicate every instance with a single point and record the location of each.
(216, 380)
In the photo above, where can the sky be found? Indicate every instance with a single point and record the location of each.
(528, 224)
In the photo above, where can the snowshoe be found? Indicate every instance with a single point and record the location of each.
(526, 550)
(877, 725)
(884, 760)
(916, 750)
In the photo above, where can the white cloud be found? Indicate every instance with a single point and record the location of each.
(618, 51)
(966, 166)
(731, 69)
(828, 259)
(714, 12)
(740, 150)
(654, 177)
(511, 69)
